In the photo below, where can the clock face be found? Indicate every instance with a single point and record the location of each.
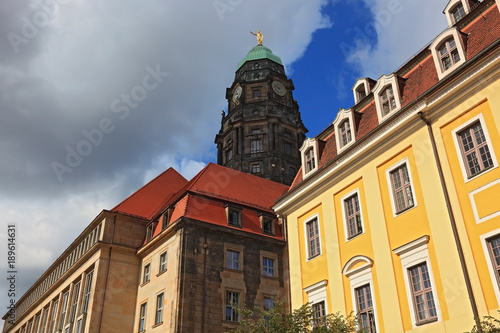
(278, 88)
(237, 94)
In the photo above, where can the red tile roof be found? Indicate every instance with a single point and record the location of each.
(149, 201)
(204, 198)
(481, 32)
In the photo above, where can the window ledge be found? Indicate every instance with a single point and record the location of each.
(421, 323)
(162, 272)
(158, 324)
(145, 283)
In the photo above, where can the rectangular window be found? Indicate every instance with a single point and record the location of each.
(232, 303)
(313, 243)
(142, 320)
(423, 299)
(364, 305)
(44, 319)
(309, 158)
(268, 226)
(88, 289)
(255, 146)
(494, 249)
(163, 262)
(232, 259)
(37, 321)
(76, 292)
(256, 168)
(79, 326)
(268, 267)
(287, 147)
(474, 148)
(387, 100)
(345, 133)
(318, 311)
(233, 217)
(256, 93)
(353, 216)
(64, 309)
(401, 188)
(268, 303)
(145, 275)
(54, 315)
(159, 309)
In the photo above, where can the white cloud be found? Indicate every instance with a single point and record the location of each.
(69, 63)
(400, 28)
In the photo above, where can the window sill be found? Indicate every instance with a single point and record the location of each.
(162, 272)
(145, 283)
(398, 213)
(270, 277)
(355, 236)
(421, 323)
(156, 325)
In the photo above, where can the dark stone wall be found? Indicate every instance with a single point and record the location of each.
(204, 278)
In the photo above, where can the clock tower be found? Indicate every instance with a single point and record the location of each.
(262, 131)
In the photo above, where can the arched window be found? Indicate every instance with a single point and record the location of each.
(387, 100)
(345, 133)
(449, 54)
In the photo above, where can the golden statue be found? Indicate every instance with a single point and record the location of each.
(260, 37)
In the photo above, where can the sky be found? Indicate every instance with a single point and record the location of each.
(98, 97)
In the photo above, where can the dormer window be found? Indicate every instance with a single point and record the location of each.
(448, 52)
(309, 153)
(344, 128)
(458, 12)
(345, 132)
(387, 96)
(362, 88)
(310, 161)
(233, 216)
(361, 92)
(457, 9)
(387, 100)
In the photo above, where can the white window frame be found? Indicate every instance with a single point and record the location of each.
(316, 293)
(458, 149)
(269, 255)
(148, 275)
(391, 192)
(436, 44)
(489, 263)
(143, 316)
(159, 308)
(344, 214)
(306, 239)
(234, 248)
(162, 269)
(360, 275)
(309, 143)
(411, 254)
(383, 82)
(360, 82)
(344, 115)
(451, 5)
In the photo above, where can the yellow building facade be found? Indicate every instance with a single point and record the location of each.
(395, 214)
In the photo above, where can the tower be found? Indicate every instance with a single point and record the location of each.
(262, 130)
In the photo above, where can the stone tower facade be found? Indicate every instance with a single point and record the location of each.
(262, 132)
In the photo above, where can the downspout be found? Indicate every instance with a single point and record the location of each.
(107, 274)
(453, 225)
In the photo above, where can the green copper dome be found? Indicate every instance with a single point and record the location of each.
(260, 52)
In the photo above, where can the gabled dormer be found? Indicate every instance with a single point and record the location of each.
(448, 51)
(362, 88)
(387, 95)
(345, 129)
(309, 153)
(455, 10)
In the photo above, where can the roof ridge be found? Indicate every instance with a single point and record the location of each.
(146, 185)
